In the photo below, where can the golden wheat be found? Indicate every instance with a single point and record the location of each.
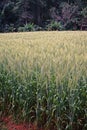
(46, 74)
(66, 52)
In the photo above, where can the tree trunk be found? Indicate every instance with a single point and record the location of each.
(38, 13)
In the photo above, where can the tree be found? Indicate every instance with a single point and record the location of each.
(21, 12)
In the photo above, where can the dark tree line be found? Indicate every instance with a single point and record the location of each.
(29, 15)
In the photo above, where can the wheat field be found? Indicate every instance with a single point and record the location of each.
(43, 78)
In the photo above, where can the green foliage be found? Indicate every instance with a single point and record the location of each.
(84, 12)
(43, 79)
(9, 28)
(20, 12)
(38, 28)
(27, 27)
(30, 27)
(30, 101)
(54, 25)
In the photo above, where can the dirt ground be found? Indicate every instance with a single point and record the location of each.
(7, 123)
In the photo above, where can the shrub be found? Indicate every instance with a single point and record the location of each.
(21, 29)
(27, 27)
(54, 25)
(84, 12)
(38, 28)
(9, 28)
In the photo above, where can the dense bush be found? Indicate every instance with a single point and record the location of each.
(21, 12)
(27, 27)
(9, 28)
(54, 25)
(84, 12)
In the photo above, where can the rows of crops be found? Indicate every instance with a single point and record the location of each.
(43, 78)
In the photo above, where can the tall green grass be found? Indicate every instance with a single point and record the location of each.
(43, 79)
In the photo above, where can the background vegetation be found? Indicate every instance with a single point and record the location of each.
(43, 80)
(31, 15)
